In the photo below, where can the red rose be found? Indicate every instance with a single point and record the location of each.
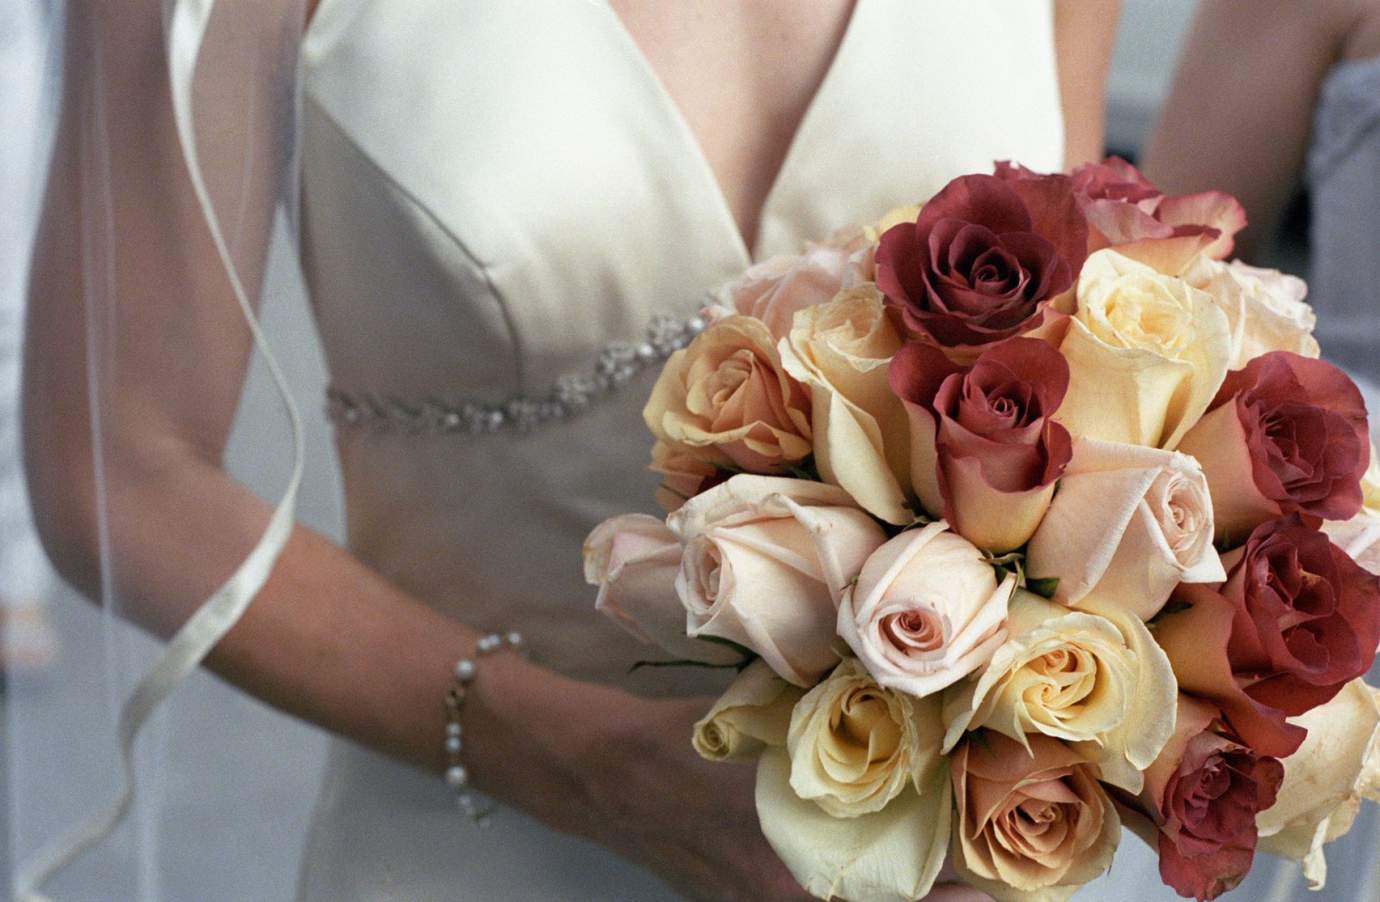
(1129, 213)
(1285, 433)
(983, 260)
(985, 451)
(1294, 622)
(1203, 792)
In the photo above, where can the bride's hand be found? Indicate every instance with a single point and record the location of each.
(649, 797)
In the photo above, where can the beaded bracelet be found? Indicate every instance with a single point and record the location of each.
(457, 777)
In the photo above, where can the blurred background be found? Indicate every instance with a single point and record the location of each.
(260, 768)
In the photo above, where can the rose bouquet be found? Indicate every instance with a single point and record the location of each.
(1022, 516)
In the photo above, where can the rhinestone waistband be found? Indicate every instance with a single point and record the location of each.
(618, 364)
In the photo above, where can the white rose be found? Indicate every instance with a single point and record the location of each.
(1128, 524)
(753, 713)
(926, 611)
(1265, 308)
(765, 560)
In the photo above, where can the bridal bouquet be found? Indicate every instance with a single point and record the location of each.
(1022, 515)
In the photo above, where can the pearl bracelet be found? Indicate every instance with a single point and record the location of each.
(457, 777)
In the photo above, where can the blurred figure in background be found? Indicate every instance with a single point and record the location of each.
(1270, 91)
(27, 640)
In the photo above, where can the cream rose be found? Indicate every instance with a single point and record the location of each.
(753, 713)
(726, 399)
(840, 351)
(1265, 308)
(1071, 676)
(634, 560)
(1029, 820)
(1128, 524)
(1337, 766)
(926, 611)
(1146, 354)
(765, 560)
(855, 746)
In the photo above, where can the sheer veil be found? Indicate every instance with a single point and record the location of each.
(175, 153)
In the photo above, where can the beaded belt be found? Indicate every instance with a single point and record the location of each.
(572, 394)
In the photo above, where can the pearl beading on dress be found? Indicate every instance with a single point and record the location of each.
(466, 669)
(572, 394)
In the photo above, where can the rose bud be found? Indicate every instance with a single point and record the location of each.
(634, 559)
(839, 351)
(1029, 820)
(985, 451)
(1128, 525)
(753, 713)
(1337, 766)
(983, 260)
(925, 612)
(1294, 622)
(1126, 211)
(726, 399)
(766, 560)
(1203, 793)
(1286, 433)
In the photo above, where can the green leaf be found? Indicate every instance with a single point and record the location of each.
(1045, 587)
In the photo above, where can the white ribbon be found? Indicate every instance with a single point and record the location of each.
(185, 23)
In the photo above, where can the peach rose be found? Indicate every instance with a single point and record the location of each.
(1146, 354)
(1073, 676)
(855, 746)
(753, 713)
(726, 399)
(684, 475)
(1128, 524)
(1264, 307)
(1029, 820)
(840, 350)
(765, 560)
(1325, 781)
(634, 559)
(925, 612)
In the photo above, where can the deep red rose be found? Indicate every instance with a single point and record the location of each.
(983, 259)
(1307, 616)
(985, 449)
(1204, 792)
(1126, 211)
(1285, 433)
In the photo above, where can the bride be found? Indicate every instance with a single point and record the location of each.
(491, 194)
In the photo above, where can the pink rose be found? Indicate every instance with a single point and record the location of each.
(1203, 793)
(1129, 213)
(766, 560)
(1286, 433)
(925, 612)
(985, 450)
(775, 289)
(983, 261)
(634, 559)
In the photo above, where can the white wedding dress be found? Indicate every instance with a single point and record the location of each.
(493, 195)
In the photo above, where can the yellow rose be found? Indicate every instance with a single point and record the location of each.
(1071, 676)
(858, 804)
(1265, 308)
(753, 713)
(1337, 766)
(1146, 354)
(726, 399)
(855, 746)
(840, 351)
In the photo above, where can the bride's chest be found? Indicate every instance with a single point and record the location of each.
(493, 192)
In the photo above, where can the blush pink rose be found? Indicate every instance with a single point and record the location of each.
(1285, 433)
(985, 451)
(1203, 793)
(775, 289)
(1126, 211)
(983, 261)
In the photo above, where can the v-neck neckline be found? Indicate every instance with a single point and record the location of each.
(745, 248)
